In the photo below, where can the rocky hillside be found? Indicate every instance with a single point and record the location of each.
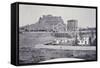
(46, 23)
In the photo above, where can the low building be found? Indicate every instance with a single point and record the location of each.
(87, 36)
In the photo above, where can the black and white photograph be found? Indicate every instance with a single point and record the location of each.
(56, 34)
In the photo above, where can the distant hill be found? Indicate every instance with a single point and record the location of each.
(47, 23)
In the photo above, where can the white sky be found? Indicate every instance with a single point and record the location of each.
(30, 14)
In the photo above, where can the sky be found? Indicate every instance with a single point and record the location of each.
(30, 14)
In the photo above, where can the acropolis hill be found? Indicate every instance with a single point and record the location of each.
(47, 23)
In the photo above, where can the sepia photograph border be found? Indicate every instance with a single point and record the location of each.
(15, 32)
